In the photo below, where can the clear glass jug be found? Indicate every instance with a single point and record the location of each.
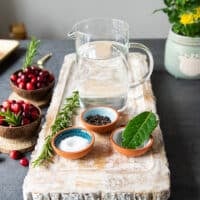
(104, 75)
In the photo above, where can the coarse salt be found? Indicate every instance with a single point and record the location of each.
(74, 143)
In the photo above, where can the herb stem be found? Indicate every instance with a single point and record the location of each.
(63, 120)
(31, 52)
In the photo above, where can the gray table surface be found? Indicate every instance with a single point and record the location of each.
(178, 107)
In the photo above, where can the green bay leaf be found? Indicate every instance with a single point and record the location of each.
(139, 129)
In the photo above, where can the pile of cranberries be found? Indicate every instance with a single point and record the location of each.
(27, 111)
(32, 78)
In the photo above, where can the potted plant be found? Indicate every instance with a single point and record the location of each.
(182, 49)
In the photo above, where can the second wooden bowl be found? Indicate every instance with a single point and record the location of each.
(25, 131)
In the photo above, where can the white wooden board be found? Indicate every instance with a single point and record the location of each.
(103, 173)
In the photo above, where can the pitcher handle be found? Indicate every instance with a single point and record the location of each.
(150, 65)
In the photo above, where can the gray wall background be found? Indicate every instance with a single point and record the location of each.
(54, 18)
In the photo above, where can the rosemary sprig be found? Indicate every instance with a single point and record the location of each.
(63, 120)
(11, 118)
(31, 52)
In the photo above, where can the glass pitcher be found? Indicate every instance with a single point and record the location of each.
(104, 75)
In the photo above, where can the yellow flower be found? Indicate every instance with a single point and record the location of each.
(187, 18)
(197, 14)
(190, 18)
(198, 10)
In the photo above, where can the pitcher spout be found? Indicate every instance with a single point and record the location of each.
(72, 35)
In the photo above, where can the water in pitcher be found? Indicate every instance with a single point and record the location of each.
(103, 75)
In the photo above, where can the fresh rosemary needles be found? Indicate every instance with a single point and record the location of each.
(11, 118)
(32, 49)
(63, 120)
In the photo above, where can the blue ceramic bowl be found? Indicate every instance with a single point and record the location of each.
(102, 111)
(70, 132)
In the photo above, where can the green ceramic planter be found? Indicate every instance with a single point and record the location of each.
(182, 56)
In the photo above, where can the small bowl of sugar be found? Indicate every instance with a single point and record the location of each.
(73, 143)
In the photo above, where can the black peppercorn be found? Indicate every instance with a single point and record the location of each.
(98, 120)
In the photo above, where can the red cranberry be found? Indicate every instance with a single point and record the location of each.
(21, 102)
(15, 107)
(25, 121)
(1, 120)
(26, 107)
(34, 80)
(51, 77)
(34, 113)
(30, 86)
(44, 73)
(31, 107)
(24, 162)
(27, 70)
(25, 116)
(36, 72)
(30, 76)
(19, 73)
(13, 77)
(22, 85)
(14, 154)
(23, 77)
(40, 79)
(19, 80)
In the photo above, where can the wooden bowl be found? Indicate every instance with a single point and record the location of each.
(103, 111)
(69, 132)
(35, 95)
(116, 140)
(25, 131)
